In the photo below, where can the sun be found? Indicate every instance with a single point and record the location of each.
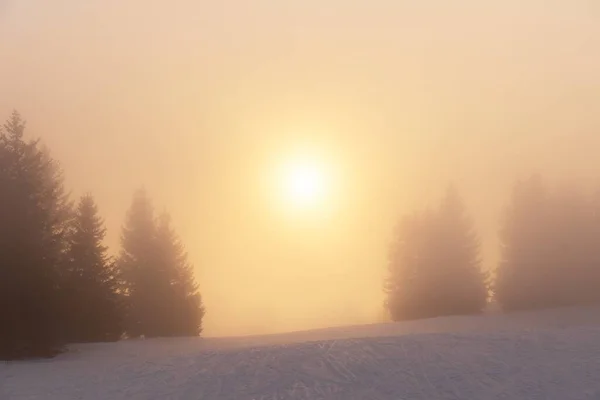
(305, 182)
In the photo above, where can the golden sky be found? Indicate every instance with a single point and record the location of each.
(202, 102)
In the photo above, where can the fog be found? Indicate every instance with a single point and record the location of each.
(200, 102)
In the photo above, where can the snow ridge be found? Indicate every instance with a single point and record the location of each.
(547, 362)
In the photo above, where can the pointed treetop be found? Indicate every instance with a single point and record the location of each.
(14, 127)
(452, 203)
(87, 201)
(164, 219)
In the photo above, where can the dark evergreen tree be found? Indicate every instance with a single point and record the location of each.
(406, 284)
(548, 249)
(94, 309)
(137, 266)
(464, 287)
(594, 243)
(522, 251)
(184, 310)
(434, 268)
(570, 271)
(162, 296)
(34, 213)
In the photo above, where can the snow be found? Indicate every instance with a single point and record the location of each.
(536, 355)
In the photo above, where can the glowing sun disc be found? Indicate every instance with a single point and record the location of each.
(305, 183)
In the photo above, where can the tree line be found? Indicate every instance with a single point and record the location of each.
(58, 285)
(549, 256)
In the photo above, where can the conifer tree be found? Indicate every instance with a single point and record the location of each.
(94, 309)
(593, 264)
(137, 266)
(162, 296)
(183, 305)
(522, 252)
(34, 214)
(549, 247)
(434, 268)
(464, 285)
(406, 285)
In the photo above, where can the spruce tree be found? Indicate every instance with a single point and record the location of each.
(463, 289)
(549, 247)
(524, 254)
(137, 266)
(183, 305)
(568, 272)
(434, 268)
(158, 281)
(34, 213)
(91, 286)
(406, 285)
(593, 285)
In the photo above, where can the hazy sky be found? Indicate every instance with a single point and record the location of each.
(201, 101)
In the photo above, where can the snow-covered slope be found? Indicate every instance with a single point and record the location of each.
(543, 355)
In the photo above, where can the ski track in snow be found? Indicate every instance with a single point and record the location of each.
(519, 362)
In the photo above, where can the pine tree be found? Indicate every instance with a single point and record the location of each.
(593, 263)
(434, 268)
(162, 297)
(549, 244)
(34, 213)
(463, 289)
(570, 235)
(137, 266)
(183, 309)
(409, 260)
(94, 311)
(523, 257)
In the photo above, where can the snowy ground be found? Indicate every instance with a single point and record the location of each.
(543, 355)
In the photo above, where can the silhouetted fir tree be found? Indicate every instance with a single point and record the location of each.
(183, 305)
(594, 243)
(162, 297)
(94, 305)
(548, 254)
(570, 270)
(137, 265)
(464, 286)
(405, 285)
(34, 213)
(523, 254)
(434, 268)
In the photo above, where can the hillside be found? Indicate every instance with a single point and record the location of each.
(535, 355)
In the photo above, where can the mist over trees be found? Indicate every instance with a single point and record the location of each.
(550, 253)
(162, 297)
(34, 218)
(90, 281)
(57, 283)
(434, 266)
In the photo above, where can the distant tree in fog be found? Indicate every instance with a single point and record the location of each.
(94, 309)
(571, 268)
(459, 255)
(522, 250)
(57, 284)
(549, 255)
(434, 267)
(137, 265)
(408, 259)
(161, 296)
(34, 213)
(594, 265)
(183, 307)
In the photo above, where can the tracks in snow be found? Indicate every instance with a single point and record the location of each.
(549, 364)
